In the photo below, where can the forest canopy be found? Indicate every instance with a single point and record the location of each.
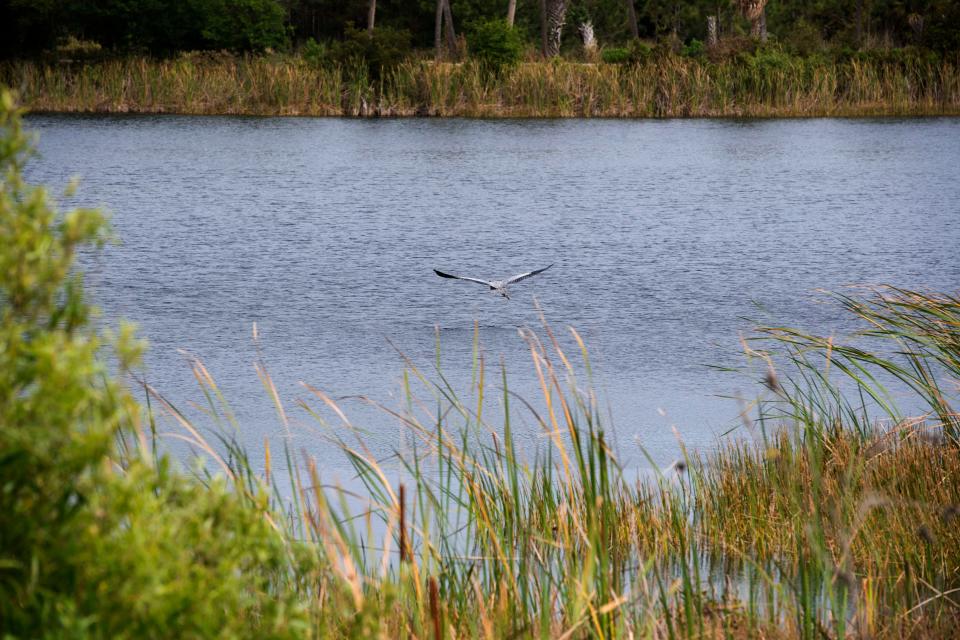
(29, 28)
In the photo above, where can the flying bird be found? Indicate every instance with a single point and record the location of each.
(497, 286)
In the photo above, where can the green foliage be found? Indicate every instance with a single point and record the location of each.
(315, 53)
(156, 26)
(765, 60)
(30, 27)
(636, 53)
(151, 25)
(94, 544)
(694, 49)
(823, 511)
(902, 57)
(379, 51)
(615, 55)
(161, 556)
(941, 30)
(55, 416)
(609, 18)
(495, 45)
(671, 18)
(640, 51)
(803, 38)
(244, 25)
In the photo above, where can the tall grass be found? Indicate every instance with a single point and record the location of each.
(758, 86)
(820, 522)
(833, 516)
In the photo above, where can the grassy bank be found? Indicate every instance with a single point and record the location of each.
(818, 521)
(767, 84)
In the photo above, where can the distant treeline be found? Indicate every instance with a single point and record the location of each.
(33, 28)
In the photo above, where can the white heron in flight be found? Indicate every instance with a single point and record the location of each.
(497, 286)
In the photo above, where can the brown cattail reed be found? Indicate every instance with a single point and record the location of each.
(402, 498)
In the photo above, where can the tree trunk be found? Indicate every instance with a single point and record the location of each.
(632, 17)
(438, 31)
(712, 39)
(556, 16)
(755, 12)
(589, 41)
(915, 20)
(451, 34)
(371, 15)
(511, 12)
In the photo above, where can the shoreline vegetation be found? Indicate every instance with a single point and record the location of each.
(485, 58)
(817, 520)
(762, 84)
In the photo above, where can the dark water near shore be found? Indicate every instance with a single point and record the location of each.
(665, 236)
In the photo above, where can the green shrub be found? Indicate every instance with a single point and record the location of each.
(95, 544)
(902, 57)
(804, 38)
(942, 33)
(766, 59)
(640, 51)
(495, 45)
(615, 55)
(315, 53)
(245, 24)
(636, 53)
(694, 49)
(378, 51)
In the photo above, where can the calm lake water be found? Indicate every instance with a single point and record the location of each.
(668, 238)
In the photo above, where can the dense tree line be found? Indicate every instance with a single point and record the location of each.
(160, 27)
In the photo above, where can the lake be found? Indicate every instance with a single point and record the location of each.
(668, 238)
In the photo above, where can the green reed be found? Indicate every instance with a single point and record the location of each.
(830, 514)
(767, 85)
(823, 522)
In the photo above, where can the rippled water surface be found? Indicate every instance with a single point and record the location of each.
(666, 236)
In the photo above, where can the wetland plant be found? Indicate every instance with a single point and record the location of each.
(631, 83)
(831, 516)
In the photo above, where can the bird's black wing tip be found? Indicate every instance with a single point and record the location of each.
(443, 275)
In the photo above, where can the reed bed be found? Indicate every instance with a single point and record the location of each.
(826, 519)
(759, 86)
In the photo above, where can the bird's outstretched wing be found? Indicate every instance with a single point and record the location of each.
(524, 276)
(448, 275)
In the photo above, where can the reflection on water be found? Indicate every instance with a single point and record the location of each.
(666, 236)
